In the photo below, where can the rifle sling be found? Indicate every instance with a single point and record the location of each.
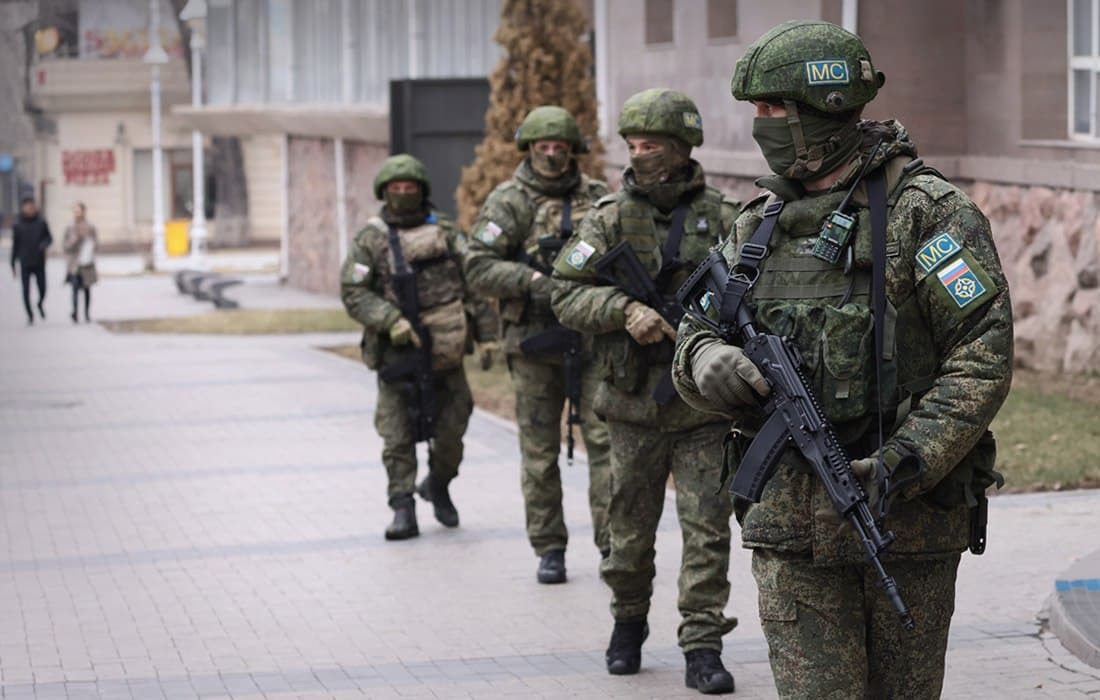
(400, 266)
(744, 274)
(670, 251)
(876, 194)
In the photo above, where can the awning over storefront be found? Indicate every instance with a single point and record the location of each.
(357, 122)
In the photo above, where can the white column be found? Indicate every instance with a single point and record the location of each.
(156, 57)
(284, 237)
(160, 251)
(603, 72)
(341, 201)
(416, 39)
(198, 171)
(849, 15)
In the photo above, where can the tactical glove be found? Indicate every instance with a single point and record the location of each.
(873, 478)
(402, 333)
(726, 377)
(645, 325)
(540, 287)
(488, 352)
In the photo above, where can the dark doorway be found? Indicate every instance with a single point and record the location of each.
(440, 121)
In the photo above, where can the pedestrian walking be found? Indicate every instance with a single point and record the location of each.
(79, 245)
(884, 277)
(30, 240)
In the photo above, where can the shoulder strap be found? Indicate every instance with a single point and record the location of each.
(566, 217)
(670, 252)
(876, 194)
(400, 267)
(744, 274)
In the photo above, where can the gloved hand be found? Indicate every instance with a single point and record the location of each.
(726, 377)
(873, 479)
(488, 351)
(541, 286)
(645, 325)
(402, 333)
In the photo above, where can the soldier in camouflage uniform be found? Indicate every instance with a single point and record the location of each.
(518, 234)
(671, 219)
(946, 366)
(431, 248)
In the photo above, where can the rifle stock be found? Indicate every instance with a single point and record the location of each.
(560, 339)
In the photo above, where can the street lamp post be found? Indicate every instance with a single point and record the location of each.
(156, 57)
(194, 14)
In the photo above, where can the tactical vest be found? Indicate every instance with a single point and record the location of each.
(627, 364)
(542, 245)
(439, 288)
(638, 221)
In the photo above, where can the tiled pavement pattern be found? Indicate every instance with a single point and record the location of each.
(202, 517)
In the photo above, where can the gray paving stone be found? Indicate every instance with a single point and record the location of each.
(192, 516)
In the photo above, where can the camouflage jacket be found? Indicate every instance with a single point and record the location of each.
(434, 250)
(520, 229)
(588, 304)
(947, 361)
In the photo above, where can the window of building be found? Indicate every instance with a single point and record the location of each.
(721, 19)
(1084, 68)
(658, 21)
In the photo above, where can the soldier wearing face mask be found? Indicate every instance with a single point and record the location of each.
(409, 238)
(517, 236)
(671, 219)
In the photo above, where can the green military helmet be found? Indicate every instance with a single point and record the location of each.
(662, 111)
(550, 122)
(808, 61)
(402, 167)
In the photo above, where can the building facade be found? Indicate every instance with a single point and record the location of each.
(313, 78)
(1000, 95)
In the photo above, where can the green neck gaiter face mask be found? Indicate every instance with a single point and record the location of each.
(829, 144)
(404, 203)
(405, 209)
(550, 166)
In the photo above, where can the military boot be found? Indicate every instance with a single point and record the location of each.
(706, 673)
(624, 653)
(552, 567)
(436, 492)
(404, 525)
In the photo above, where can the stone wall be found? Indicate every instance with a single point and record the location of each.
(313, 242)
(313, 250)
(1049, 243)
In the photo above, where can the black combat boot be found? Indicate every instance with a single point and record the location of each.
(403, 526)
(435, 491)
(624, 653)
(706, 673)
(552, 567)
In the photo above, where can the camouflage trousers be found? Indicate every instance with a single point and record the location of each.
(540, 398)
(833, 634)
(642, 458)
(391, 419)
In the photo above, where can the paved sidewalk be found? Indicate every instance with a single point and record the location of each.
(202, 516)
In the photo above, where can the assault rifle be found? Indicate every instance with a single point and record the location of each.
(412, 371)
(558, 338)
(621, 267)
(794, 417)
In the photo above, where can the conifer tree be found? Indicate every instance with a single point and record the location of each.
(546, 61)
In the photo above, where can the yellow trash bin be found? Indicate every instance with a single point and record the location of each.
(175, 236)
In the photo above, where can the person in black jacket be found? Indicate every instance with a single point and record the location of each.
(30, 239)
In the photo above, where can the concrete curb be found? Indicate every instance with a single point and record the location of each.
(1075, 609)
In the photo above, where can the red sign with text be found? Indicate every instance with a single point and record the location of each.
(87, 167)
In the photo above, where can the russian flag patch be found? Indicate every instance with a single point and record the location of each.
(961, 283)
